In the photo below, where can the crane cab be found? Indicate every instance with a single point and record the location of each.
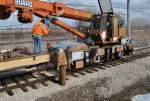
(104, 29)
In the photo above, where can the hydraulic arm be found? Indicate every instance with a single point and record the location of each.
(68, 28)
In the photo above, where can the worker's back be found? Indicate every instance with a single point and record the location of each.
(40, 28)
(62, 60)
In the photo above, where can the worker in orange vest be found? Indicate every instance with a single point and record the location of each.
(39, 30)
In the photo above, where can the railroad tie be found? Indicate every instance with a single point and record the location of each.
(42, 77)
(24, 89)
(32, 85)
(6, 88)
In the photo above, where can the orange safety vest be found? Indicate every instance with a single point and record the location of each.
(40, 29)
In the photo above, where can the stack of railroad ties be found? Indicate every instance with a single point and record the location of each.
(70, 54)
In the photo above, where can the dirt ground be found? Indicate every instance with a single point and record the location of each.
(141, 87)
(88, 93)
(78, 93)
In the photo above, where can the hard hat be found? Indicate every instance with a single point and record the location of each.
(43, 20)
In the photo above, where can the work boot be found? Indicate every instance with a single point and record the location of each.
(62, 76)
(62, 83)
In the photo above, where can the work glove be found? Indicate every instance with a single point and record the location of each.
(32, 36)
(57, 68)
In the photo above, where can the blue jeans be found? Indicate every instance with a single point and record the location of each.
(38, 44)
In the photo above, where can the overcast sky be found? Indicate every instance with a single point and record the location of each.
(118, 5)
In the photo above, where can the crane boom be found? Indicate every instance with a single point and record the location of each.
(28, 8)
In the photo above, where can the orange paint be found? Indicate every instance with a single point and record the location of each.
(43, 9)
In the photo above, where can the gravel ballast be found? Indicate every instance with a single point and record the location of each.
(95, 86)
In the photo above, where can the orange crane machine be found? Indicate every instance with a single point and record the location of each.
(105, 28)
(98, 32)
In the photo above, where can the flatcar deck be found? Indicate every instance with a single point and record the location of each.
(23, 61)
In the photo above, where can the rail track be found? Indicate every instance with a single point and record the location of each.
(23, 80)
